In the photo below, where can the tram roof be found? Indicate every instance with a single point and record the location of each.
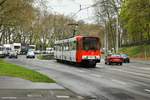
(69, 39)
(65, 40)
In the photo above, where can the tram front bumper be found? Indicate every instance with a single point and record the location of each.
(95, 59)
(90, 60)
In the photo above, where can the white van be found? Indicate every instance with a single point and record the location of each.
(2, 51)
(17, 47)
(49, 50)
(8, 48)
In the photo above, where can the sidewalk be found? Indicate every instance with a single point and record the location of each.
(17, 83)
(20, 89)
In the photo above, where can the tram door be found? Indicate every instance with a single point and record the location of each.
(73, 50)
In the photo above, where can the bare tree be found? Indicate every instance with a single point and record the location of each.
(107, 12)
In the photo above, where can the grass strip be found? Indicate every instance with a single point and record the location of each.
(12, 70)
(142, 51)
(45, 56)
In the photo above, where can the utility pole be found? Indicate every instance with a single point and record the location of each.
(105, 33)
(74, 25)
(105, 38)
(54, 25)
(117, 34)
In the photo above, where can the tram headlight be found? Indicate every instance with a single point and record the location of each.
(84, 57)
(97, 57)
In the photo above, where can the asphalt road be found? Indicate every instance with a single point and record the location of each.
(105, 82)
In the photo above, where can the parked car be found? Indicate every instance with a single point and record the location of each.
(114, 59)
(24, 50)
(37, 52)
(49, 51)
(13, 54)
(43, 51)
(126, 58)
(30, 54)
(8, 48)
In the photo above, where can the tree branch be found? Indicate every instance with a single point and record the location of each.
(2, 2)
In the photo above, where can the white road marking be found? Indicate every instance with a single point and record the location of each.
(80, 97)
(120, 82)
(117, 69)
(99, 66)
(63, 96)
(81, 71)
(34, 95)
(134, 66)
(9, 98)
(96, 75)
(147, 90)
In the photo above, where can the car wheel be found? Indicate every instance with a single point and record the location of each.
(93, 65)
(57, 60)
(128, 61)
(109, 63)
(120, 63)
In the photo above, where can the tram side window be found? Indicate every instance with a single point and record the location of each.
(55, 48)
(59, 47)
(67, 46)
(70, 46)
(73, 45)
(64, 47)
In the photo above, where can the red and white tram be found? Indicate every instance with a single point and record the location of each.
(79, 49)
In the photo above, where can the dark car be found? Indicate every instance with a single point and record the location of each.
(114, 59)
(126, 58)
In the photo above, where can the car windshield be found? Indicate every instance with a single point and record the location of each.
(8, 48)
(116, 55)
(31, 52)
(90, 43)
(124, 55)
(16, 47)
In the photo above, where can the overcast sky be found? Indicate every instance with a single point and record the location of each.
(69, 7)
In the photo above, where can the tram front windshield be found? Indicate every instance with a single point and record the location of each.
(90, 43)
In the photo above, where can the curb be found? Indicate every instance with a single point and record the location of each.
(17, 83)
